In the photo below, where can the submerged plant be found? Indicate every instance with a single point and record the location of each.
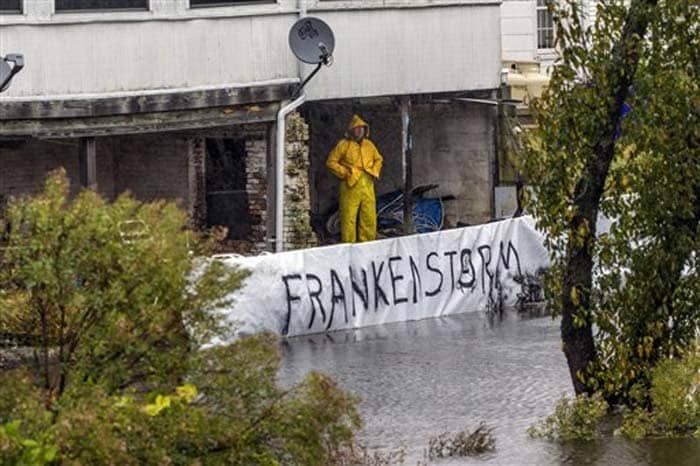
(463, 443)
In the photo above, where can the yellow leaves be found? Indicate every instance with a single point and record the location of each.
(575, 297)
(187, 392)
(626, 182)
(161, 403)
(184, 394)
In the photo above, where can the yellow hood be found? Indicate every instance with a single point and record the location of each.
(357, 121)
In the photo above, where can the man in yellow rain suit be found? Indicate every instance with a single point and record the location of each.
(357, 162)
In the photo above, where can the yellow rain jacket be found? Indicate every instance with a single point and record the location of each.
(357, 164)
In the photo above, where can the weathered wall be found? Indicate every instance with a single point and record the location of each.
(159, 166)
(298, 233)
(519, 30)
(24, 166)
(454, 148)
(384, 47)
(150, 166)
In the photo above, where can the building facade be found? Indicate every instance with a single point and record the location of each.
(177, 99)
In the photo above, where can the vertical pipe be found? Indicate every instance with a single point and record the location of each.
(406, 155)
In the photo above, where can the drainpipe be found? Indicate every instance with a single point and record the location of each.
(286, 108)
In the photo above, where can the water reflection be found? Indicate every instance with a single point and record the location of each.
(418, 379)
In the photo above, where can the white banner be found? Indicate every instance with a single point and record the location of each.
(399, 279)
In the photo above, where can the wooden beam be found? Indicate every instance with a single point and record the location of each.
(137, 104)
(407, 165)
(140, 123)
(88, 163)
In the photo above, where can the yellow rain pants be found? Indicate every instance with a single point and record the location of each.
(358, 203)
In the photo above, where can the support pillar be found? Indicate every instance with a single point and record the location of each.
(88, 163)
(407, 165)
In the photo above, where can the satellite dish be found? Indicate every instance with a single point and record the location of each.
(5, 74)
(312, 41)
(7, 71)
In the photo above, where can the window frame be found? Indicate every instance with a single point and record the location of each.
(228, 4)
(20, 11)
(147, 8)
(544, 29)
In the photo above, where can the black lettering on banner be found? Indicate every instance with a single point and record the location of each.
(435, 270)
(314, 295)
(465, 259)
(415, 276)
(506, 259)
(377, 274)
(451, 255)
(290, 299)
(356, 290)
(394, 279)
(337, 297)
(485, 266)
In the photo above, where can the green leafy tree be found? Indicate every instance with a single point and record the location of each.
(117, 303)
(636, 285)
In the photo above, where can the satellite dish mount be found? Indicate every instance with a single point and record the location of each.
(7, 72)
(312, 41)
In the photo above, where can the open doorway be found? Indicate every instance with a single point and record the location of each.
(227, 199)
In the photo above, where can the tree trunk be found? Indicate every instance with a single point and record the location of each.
(576, 325)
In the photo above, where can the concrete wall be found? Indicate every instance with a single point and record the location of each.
(383, 47)
(454, 147)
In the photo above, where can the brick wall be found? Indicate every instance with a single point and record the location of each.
(159, 166)
(24, 166)
(151, 166)
(256, 187)
(298, 233)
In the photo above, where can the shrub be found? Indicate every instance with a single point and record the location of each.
(675, 401)
(118, 306)
(573, 419)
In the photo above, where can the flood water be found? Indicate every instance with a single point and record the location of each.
(419, 379)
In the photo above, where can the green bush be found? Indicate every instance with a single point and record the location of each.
(118, 306)
(573, 419)
(675, 401)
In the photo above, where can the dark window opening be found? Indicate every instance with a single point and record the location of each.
(83, 5)
(227, 199)
(10, 6)
(205, 3)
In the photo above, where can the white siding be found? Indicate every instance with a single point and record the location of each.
(519, 30)
(383, 48)
(411, 51)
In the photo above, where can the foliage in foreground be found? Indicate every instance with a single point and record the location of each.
(674, 408)
(628, 298)
(117, 306)
(573, 419)
(675, 402)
